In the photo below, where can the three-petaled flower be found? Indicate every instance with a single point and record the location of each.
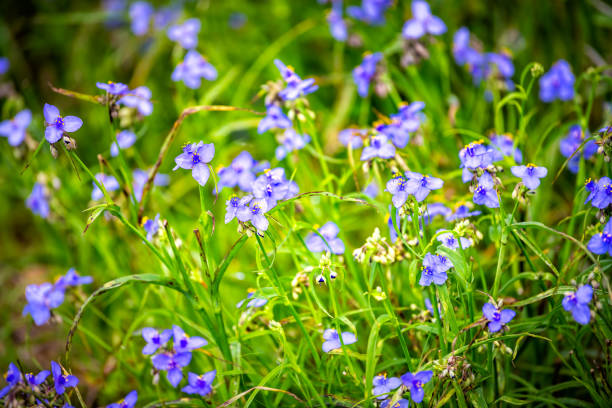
(62, 381)
(497, 318)
(128, 402)
(15, 129)
(195, 157)
(329, 241)
(422, 22)
(384, 385)
(200, 384)
(434, 269)
(601, 243)
(154, 339)
(530, 174)
(578, 303)
(57, 125)
(332, 339)
(415, 382)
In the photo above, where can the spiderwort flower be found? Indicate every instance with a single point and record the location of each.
(590, 185)
(291, 141)
(364, 73)
(37, 201)
(113, 88)
(275, 118)
(503, 146)
(62, 381)
(371, 190)
(253, 301)
(139, 98)
(15, 129)
(128, 402)
(57, 125)
(154, 339)
(4, 65)
(240, 172)
(421, 185)
(296, 87)
(272, 186)
(41, 299)
(558, 83)
(601, 243)
(35, 380)
(422, 22)
(578, 303)
(12, 377)
(139, 179)
(370, 12)
(331, 243)
(397, 186)
(172, 364)
(195, 157)
(110, 183)
(415, 382)
(352, 136)
(193, 68)
(233, 205)
(200, 384)
(125, 139)
(337, 25)
(379, 147)
(448, 240)
(332, 339)
(530, 174)
(255, 213)
(497, 318)
(434, 270)
(185, 34)
(462, 211)
(140, 16)
(603, 195)
(485, 193)
(183, 342)
(151, 227)
(72, 278)
(384, 385)
(401, 403)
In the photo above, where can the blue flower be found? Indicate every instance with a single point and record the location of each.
(503, 146)
(195, 157)
(370, 12)
(422, 22)
(140, 16)
(125, 139)
(601, 243)
(384, 385)
(233, 205)
(184, 343)
(397, 186)
(139, 98)
(473, 156)
(62, 381)
(57, 125)
(128, 402)
(200, 384)
(401, 403)
(193, 68)
(406, 121)
(415, 382)
(603, 193)
(296, 87)
(497, 318)
(434, 270)
(364, 73)
(379, 147)
(151, 227)
(173, 364)
(35, 380)
(421, 185)
(485, 193)
(462, 52)
(530, 174)
(4, 65)
(590, 185)
(110, 183)
(332, 243)
(15, 129)
(185, 34)
(272, 187)
(558, 83)
(337, 25)
(253, 301)
(571, 143)
(140, 177)
(255, 213)
(371, 190)
(578, 303)
(275, 118)
(332, 339)
(448, 240)
(291, 141)
(462, 211)
(41, 299)
(240, 172)
(72, 278)
(113, 88)
(37, 201)
(12, 377)
(154, 339)
(352, 136)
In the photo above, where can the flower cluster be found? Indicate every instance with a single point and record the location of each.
(364, 74)
(192, 69)
(46, 385)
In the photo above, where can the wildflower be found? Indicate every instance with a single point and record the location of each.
(371, 190)
(370, 12)
(185, 34)
(462, 52)
(603, 195)
(275, 118)
(503, 146)
(485, 193)
(296, 87)
(193, 68)
(530, 174)
(140, 16)
(422, 22)
(62, 381)
(196, 157)
(448, 240)
(410, 116)
(166, 16)
(113, 88)
(337, 25)
(291, 141)
(401, 403)
(364, 73)
(601, 243)
(200, 384)
(462, 211)
(332, 339)
(384, 385)
(139, 98)
(15, 129)
(578, 303)
(558, 83)
(110, 183)
(183, 342)
(592, 187)
(329, 242)
(154, 339)
(12, 377)
(475, 155)
(397, 187)
(139, 179)
(415, 382)
(37, 201)
(172, 364)
(128, 402)
(571, 143)
(434, 270)
(35, 380)
(255, 213)
(41, 299)
(497, 318)
(4, 65)
(379, 147)
(253, 301)
(151, 227)
(233, 205)
(420, 186)
(352, 136)
(72, 278)
(240, 172)
(125, 139)
(57, 125)
(271, 186)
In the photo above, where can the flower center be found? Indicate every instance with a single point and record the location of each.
(428, 271)
(255, 210)
(195, 159)
(234, 201)
(59, 122)
(608, 189)
(424, 181)
(606, 238)
(496, 316)
(481, 191)
(156, 340)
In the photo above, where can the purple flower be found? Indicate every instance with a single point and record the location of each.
(15, 129)
(151, 227)
(275, 118)
(4, 65)
(571, 143)
(172, 363)
(371, 190)
(128, 402)
(603, 193)
(364, 73)
(62, 381)
(591, 186)
(37, 201)
(296, 87)
(72, 278)
(448, 240)
(384, 385)
(503, 146)
(558, 83)
(291, 141)
(185, 34)
(331, 242)
(434, 270)
(462, 52)
(35, 380)
(235, 204)
(578, 303)
(397, 186)
(193, 68)
(473, 156)
(184, 343)
(154, 339)
(57, 125)
(422, 22)
(497, 318)
(379, 147)
(12, 377)
(332, 339)
(140, 16)
(420, 186)
(403, 123)
(485, 193)
(401, 403)
(139, 98)
(462, 211)
(125, 139)
(530, 174)
(200, 384)
(110, 183)
(352, 136)
(272, 187)
(255, 213)
(337, 25)
(166, 16)
(253, 301)
(113, 88)
(41, 299)
(195, 157)
(601, 243)
(415, 382)
(241, 172)
(140, 177)
(370, 12)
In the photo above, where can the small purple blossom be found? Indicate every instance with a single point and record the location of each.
(184, 343)
(4, 65)
(601, 243)
(151, 227)
(272, 187)
(240, 172)
(113, 88)
(603, 193)
(15, 129)
(140, 16)
(57, 125)
(379, 147)
(35, 380)
(193, 68)
(139, 98)
(449, 240)
(332, 340)
(154, 339)
(172, 363)
(275, 118)
(415, 382)
(72, 279)
(128, 402)
(200, 384)
(364, 73)
(401, 403)
(578, 303)
(422, 22)
(195, 157)
(291, 141)
(255, 213)
(37, 201)
(185, 34)
(110, 183)
(352, 136)
(485, 193)
(125, 139)
(41, 299)
(503, 146)
(497, 318)
(420, 185)
(434, 269)
(337, 25)
(397, 186)
(62, 381)
(12, 378)
(329, 242)
(571, 143)
(370, 11)
(139, 179)
(557, 83)
(296, 86)
(530, 174)
(235, 204)
(383, 385)
(253, 301)
(462, 211)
